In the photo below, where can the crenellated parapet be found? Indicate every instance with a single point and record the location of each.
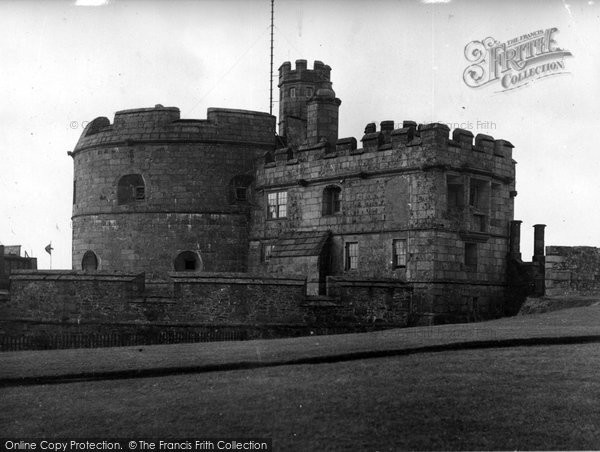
(164, 124)
(412, 147)
(319, 73)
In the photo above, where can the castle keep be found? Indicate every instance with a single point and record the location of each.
(232, 222)
(156, 193)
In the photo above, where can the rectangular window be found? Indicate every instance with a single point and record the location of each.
(292, 92)
(267, 251)
(399, 253)
(277, 204)
(331, 200)
(471, 256)
(351, 255)
(74, 191)
(479, 194)
(309, 92)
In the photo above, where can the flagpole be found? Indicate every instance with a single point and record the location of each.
(49, 251)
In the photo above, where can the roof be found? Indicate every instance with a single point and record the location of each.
(297, 244)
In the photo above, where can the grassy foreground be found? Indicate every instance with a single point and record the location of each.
(570, 322)
(517, 398)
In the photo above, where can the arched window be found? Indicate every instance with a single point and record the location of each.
(331, 200)
(89, 262)
(239, 189)
(131, 188)
(187, 261)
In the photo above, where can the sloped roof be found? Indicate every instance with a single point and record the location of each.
(297, 244)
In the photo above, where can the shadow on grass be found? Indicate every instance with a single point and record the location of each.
(335, 358)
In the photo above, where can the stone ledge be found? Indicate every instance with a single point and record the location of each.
(234, 278)
(367, 282)
(72, 275)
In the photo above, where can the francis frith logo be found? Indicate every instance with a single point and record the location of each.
(516, 62)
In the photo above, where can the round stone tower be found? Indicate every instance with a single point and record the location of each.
(156, 193)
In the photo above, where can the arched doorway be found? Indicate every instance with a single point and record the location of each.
(188, 261)
(89, 261)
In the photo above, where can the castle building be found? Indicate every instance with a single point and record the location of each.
(411, 207)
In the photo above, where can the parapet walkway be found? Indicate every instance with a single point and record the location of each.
(578, 325)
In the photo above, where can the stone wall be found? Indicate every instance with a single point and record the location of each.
(60, 295)
(121, 298)
(572, 270)
(448, 302)
(364, 300)
(230, 298)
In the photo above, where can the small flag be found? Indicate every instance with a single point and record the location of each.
(49, 249)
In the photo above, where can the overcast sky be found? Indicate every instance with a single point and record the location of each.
(64, 64)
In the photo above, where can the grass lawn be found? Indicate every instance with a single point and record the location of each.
(569, 322)
(513, 398)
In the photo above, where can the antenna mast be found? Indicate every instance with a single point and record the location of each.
(271, 80)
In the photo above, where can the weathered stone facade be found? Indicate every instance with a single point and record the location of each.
(209, 298)
(412, 226)
(443, 203)
(572, 270)
(151, 186)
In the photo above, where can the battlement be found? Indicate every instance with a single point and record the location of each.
(320, 72)
(413, 134)
(165, 124)
(157, 115)
(416, 146)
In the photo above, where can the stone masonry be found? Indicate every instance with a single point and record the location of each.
(413, 225)
(151, 186)
(572, 270)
